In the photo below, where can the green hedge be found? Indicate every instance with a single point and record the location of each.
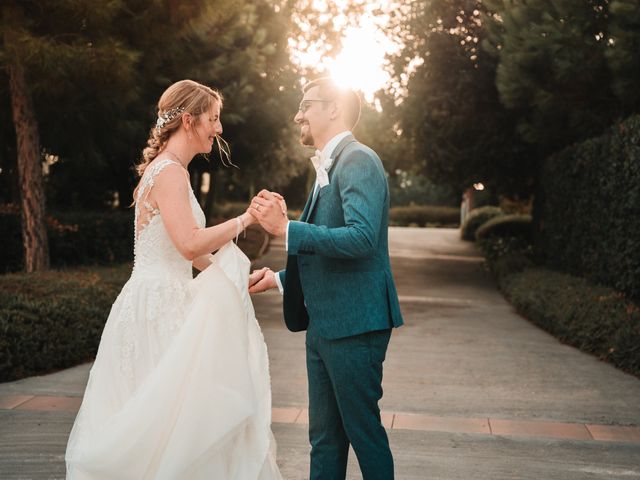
(590, 209)
(424, 216)
(53, 320)
(507, 255)
(475, 218)
(414, 215)
(593, 318)
(75, 238)
(506, 226)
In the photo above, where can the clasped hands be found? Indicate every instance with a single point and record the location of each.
(270, 210)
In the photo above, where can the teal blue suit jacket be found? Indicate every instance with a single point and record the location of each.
(338, 275)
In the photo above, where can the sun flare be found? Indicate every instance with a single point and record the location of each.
(360, 63)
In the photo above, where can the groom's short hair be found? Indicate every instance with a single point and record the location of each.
(349, 98)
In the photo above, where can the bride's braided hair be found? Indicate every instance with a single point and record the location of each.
(185, 96)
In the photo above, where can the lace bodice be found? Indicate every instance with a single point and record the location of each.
(154, 252)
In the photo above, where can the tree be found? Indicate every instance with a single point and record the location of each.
(553, 67)
(34, 232)
(261, 89)
(70, 76)
(49, 53)
(97, 70)
(449, 111)
(622, 57)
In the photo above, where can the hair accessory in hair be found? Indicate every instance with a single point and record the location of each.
(167, 117)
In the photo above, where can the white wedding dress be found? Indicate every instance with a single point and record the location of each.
(180, 386)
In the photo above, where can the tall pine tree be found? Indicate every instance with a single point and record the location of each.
(624, 52)
(45, 48)
(34, 232)
(552, 68)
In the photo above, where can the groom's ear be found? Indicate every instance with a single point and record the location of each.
(335, 110)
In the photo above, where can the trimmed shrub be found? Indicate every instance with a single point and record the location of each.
(84, 238)
(12, 251)
(97, 238)
(75, 238)
(418, 215)
(506, 226)
(593, 318)
(590, 209)
(424, 216)
(54, 319)
(507, 255)
(477, 217)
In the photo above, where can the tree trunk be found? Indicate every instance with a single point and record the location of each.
(34, 231)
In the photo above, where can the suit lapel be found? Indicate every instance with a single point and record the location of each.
(335, 155)
(314, 198)
(305, 210)
(338, 150)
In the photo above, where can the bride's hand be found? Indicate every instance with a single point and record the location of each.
(248, 218)
(283, 205)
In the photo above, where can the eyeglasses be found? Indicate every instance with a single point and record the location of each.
(306, 104)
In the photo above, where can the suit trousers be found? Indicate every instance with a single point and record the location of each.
(345, 385)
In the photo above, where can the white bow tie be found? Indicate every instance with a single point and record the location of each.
(319, 161)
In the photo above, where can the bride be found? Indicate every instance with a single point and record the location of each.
(180, 386)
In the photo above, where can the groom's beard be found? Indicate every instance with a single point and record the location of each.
(306, 139)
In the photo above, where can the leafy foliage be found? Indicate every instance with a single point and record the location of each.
(514, 225)
(97, 68)
(561, 68)
(506, 255)
(75, 238)
(52, 320)
(623, 58)
(451, 116)
(476, 218)
(591, 317)
(424, 216)
(591, 206)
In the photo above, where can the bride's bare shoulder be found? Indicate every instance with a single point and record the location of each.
(165, 164)
(170, 175)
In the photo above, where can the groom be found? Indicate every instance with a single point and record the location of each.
(338, 284)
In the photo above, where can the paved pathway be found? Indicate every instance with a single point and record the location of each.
(472, 390)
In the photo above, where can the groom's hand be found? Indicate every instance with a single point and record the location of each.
(266, 282)
(256, 276)
(270, 210)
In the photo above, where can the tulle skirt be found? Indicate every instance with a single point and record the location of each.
(180, 386)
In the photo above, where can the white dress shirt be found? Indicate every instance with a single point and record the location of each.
(327, 153)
